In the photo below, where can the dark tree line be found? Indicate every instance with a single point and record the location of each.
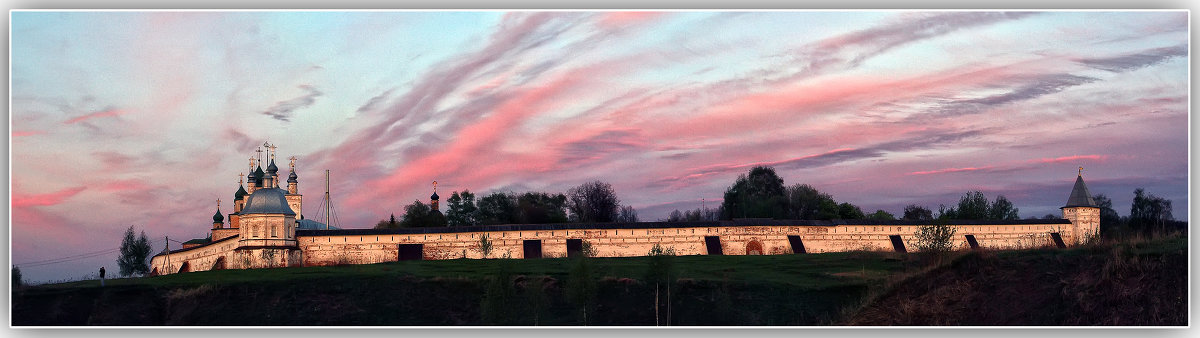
(1148, 214)
(761, 193)
(594, 201)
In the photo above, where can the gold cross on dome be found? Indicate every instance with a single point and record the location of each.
(272, 151)
(240, 175)
(218, 203)
(293, 160)
(251, 162)
(434, 186)
(1080, 171)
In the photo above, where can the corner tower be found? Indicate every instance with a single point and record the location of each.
(1082, 211)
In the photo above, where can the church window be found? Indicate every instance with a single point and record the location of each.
(273, 234)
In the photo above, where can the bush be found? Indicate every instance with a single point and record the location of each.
(935, 238)
(485, 245)
(17, 281)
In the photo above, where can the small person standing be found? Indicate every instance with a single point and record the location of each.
(102, 276)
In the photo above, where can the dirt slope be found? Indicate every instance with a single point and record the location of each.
(1123, 284)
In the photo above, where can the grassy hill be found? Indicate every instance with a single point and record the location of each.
(1131, 283)
(857, 288)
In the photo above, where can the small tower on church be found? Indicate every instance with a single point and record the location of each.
(295, 201)
(1082, 211)
(272, 170)
(292, 178)
(433, 199)
(239, 197)
(218, 219)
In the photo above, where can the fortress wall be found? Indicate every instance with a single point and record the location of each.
(735, 240)
(197, 259)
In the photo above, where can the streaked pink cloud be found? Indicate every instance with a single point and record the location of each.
(23, 133)
(47, 199)
(1023, 165)
(948, 170)
(103, 113)
(1075, 158)
(625, 19)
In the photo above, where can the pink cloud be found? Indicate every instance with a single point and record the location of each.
(27, 133)
(102, 113)
(1075, 158)
(1017, 166)
(624, 19)
(949, 170)
(22, 200)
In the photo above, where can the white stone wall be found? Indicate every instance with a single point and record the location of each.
(735, 240)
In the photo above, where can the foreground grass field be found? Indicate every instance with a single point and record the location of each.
(803, 271)
(859, 288)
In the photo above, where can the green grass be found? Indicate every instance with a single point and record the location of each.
(809, 289)
(812, 271)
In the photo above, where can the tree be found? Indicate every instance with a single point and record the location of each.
(581, 286)
(758, 194)
(627, 214)
(1110, 221)
(485, 245)
(420, 214)
(593, 202)
(469, 209)
(461, 209)
(676, 216)
(658, 272)
(454, 213)
(1149, 213)
(497, 208)
(974, 205)
(917, 213)
(535, 298)
(1002, 209)
(498, 297)
(387, 223)
(805, 202)
(17, 280)
(881, 215)
(540, 208)
(849, 211)
(134, 254)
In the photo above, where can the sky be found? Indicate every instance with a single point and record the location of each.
(147, 118)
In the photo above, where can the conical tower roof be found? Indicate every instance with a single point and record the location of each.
(1080, 196)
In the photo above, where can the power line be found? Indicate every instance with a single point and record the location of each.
(73, 257)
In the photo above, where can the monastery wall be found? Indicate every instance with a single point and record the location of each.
(224, 254)
(201, 258)
(375, 246)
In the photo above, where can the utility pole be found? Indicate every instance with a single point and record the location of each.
(327, 201)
